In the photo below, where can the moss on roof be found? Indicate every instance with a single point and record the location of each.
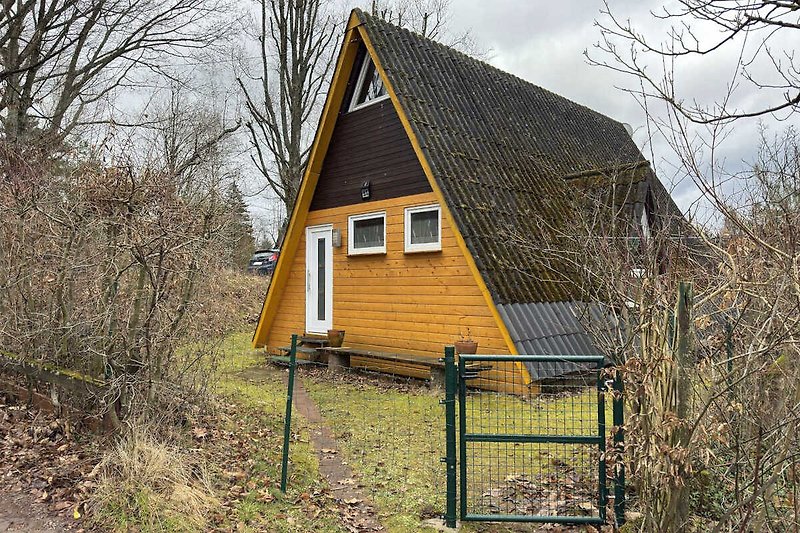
(500, 149)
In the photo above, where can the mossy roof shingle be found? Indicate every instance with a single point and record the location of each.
(500, 149)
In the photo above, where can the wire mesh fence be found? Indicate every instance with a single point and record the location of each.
(532, 451)
(527, 450)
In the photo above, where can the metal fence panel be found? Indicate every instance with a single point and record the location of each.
(532, 452)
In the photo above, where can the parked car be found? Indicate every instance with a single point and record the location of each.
(263, 262)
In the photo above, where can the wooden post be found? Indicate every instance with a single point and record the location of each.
(683, 347)
(337, 360)
(619, 445)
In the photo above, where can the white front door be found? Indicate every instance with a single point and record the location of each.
(319, 279)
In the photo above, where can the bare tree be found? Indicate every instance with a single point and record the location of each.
(758, 34)
(58, 58)
(101, 260)
(429, 18)
(295, 55)
(268, 224)
(712, 400)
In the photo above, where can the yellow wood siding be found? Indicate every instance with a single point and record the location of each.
(414, 304)
(394, 302)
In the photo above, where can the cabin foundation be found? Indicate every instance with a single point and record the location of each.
(337, 361)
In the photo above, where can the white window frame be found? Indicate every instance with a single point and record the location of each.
(351, 249)
(422, 247)
(645, 223)
(360, 86)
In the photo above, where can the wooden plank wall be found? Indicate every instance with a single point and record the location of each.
(395, 302)
(368, 144)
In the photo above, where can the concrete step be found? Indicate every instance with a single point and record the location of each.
(300, 349)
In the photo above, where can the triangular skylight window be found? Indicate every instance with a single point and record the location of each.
(369, 87)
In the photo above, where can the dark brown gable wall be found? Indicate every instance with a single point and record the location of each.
(368, 144)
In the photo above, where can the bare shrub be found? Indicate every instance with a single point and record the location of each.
(229, 301)
(713, 403)
(101, 263)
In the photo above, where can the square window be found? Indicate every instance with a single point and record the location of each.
(423, 229)
(366, 234)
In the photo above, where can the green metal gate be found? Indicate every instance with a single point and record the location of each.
(531, 452)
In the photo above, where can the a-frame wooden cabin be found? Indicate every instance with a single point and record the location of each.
(424, 162)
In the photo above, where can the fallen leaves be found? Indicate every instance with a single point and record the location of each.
(243, 447)
(39, 457)
(265, 496)
(199, 433)
(60, 506)
(565, 494)
(235, 475)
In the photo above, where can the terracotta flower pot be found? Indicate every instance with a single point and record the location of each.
(335, 337)
(466, 346)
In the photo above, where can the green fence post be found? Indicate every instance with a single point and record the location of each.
(601, 428)
(462, 432)
(619, 445)
(287, 424)
(450, 428)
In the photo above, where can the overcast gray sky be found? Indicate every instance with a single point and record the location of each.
(544, 42)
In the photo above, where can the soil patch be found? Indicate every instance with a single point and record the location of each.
(23, 512)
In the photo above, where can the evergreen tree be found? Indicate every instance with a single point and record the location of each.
(240, 228)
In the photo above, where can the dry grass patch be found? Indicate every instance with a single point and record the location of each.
(151, 485)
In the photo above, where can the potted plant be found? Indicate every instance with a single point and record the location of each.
(466, 344)
(335, 338)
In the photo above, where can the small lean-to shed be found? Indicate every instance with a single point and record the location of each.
(425, 163)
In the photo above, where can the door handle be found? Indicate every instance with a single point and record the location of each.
(308, 281)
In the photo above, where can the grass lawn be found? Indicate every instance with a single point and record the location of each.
(261, 507)
(391, 432)
(226, 456)
(393, 435)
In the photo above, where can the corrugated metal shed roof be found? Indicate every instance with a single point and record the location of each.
(552, 328)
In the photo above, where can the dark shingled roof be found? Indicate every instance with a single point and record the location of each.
(501, 150)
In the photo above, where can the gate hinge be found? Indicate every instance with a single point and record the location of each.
(444, 401)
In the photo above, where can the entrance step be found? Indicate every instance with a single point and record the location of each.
(318, 341)
(300, 349)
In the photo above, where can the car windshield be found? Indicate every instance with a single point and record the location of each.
(261, 256)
